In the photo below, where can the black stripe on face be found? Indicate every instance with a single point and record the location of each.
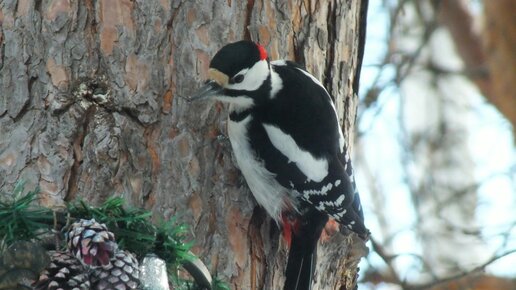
(260, 95)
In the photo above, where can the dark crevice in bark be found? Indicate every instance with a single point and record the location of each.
(37, 6)
(153, 152)
(256, 251)
(332, 38)
(2, 49)
(24, 109)
(248, 14)
(347, 111)
(64, 108)
(131, 113)
(16, 6)
(273, 252)
(77, 147)
(300, 42)
(299, 56)
(90, 15)
(171, 21)
(362, 22)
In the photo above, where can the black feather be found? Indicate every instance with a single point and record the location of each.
(303, 250)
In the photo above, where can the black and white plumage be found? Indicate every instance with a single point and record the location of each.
(286, 137)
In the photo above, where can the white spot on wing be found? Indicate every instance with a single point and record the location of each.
(342, 213)
(323, 191)
(340, 200)
(313, 168)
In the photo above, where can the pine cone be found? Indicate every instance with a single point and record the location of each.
(63, 272)
(122, 273)
(21, 263)
(91, 242)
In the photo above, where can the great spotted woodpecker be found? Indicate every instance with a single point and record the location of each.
(286, 137)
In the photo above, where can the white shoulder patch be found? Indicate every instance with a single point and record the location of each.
(279, 62)
(314, 169)
(276, 83)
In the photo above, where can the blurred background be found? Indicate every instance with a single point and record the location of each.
(435, 147)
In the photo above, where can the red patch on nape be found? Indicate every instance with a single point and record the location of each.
(263, 52)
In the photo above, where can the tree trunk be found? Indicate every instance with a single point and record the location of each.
(488, 55)
(90, 107)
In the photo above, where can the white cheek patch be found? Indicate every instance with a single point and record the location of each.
(253, 77)
(314, 169)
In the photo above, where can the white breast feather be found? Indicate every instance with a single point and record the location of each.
(266, 190)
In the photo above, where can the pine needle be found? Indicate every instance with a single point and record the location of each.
(21, 219)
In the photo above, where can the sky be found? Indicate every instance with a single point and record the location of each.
(490, 142)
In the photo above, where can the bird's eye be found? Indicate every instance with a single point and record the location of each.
(237, 79)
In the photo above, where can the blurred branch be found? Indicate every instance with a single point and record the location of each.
(413, 50)
(457, 18)
(458, 193)
(389, 276)
(491, 58)
(392, 277)
(475, 270)
(403, 62)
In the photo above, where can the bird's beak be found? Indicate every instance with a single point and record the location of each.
(211, 88)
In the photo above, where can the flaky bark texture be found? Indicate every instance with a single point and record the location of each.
(90, 107)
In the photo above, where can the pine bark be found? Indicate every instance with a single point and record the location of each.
(90, 107)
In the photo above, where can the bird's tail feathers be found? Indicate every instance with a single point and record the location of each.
(303, 250)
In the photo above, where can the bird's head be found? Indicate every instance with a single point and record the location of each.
(236, 72)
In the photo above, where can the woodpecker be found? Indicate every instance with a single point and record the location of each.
(285, 134)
